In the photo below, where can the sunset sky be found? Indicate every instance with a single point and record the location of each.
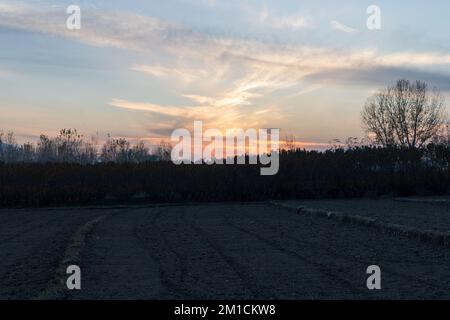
(140, 69)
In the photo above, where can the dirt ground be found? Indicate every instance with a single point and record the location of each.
(218, 251)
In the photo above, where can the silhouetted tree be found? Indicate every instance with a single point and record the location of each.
(139, 153)
(115, 150)
(163, 151)
(289, 143)
(408, 114)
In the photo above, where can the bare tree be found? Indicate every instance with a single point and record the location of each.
(69, 145)
(139, 152)
(408, 114)
(163, 151)
(115, 150)
(290, 143)
(9, 149)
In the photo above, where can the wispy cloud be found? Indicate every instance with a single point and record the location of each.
(213, 116)
(339, 26)
(164, 110)
(292, 22)
(225, 78)
(122, 30)
(182, 74)
(413, 59)
(136, 32)
(7, 7)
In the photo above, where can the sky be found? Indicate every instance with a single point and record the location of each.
(141, 69)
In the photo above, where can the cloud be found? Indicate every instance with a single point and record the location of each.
(380, 76)
(307, 89)
(12, 7)
(197, 55)
(164, 110)
(227, 81)
(186, 75)
(413, 59)
(336, 25)
(293, 22)
(214, 117)
(121, 30)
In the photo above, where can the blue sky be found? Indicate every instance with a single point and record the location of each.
(140, 69)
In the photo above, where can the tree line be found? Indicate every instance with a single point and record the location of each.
(71, 147)
(336, 173)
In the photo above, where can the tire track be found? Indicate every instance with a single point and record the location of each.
(364, 263)
(180, 287)
(326, 271)
(174, 287)
(245, 277)
(116, 264)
